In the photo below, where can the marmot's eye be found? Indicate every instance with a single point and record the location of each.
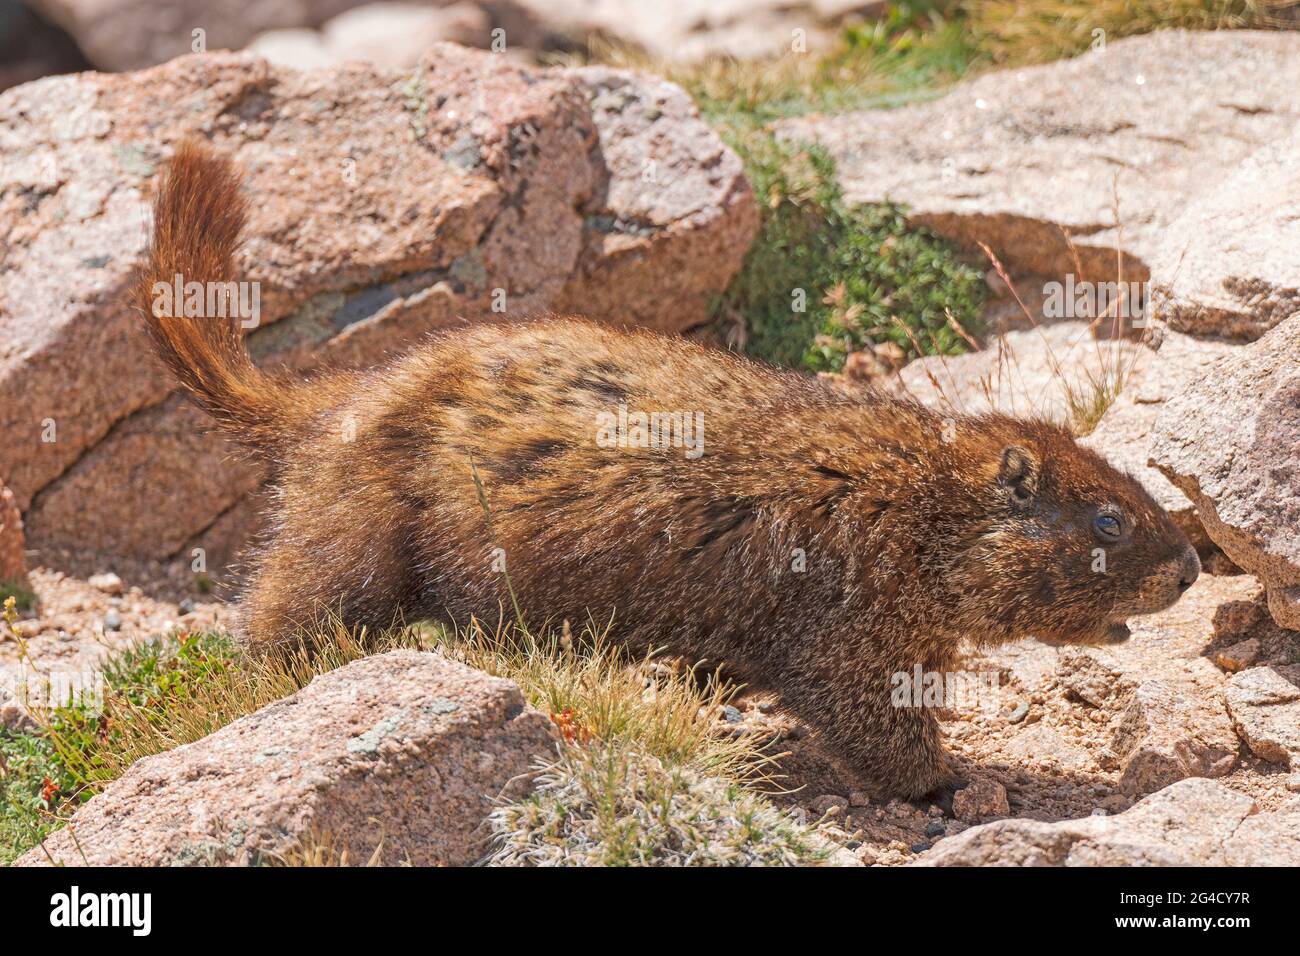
(1107, 526)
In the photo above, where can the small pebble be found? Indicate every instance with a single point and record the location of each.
(731, 715)
(1239, 656)
(1019, 713)
(107, 582)
(981, 801)
(1293, 783)
(112, 621)
(186, 606)
(935, 828)
(829, 805)
(920, 847)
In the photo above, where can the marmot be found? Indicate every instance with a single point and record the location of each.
(819, 544)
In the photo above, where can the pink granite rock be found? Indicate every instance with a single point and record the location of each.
(1191, 823)
(1230, 442)
(404, 752)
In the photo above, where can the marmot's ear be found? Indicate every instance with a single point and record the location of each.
(1018, 472)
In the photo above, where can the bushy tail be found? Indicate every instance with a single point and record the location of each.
(198, 215)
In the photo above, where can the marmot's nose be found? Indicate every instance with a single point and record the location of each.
(1191, 570)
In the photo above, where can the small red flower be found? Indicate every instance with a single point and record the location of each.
(49, 790)
(570, 727)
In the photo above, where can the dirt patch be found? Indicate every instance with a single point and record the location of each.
(75, 625)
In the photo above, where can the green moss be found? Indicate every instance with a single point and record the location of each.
(824, 278)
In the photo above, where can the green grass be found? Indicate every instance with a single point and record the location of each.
(24, 597)
(1015, 32)
(79, 745)
(177, 689)
(921, 47)
(824, 278)
(915, 51)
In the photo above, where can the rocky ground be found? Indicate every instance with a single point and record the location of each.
(1043, 744)
(1058, 734)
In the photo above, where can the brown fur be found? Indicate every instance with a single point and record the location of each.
(919, 533)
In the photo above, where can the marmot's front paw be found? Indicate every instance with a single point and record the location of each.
(941, 796)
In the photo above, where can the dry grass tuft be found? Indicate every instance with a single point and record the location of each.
(320, 849)
(594, 692)
(613, 805)
(602, 701)
(1016, 31)
(246, 684)
(588, 686)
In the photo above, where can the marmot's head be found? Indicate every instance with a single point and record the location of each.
(1064, 547)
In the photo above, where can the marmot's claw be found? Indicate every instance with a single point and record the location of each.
(941, 796)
